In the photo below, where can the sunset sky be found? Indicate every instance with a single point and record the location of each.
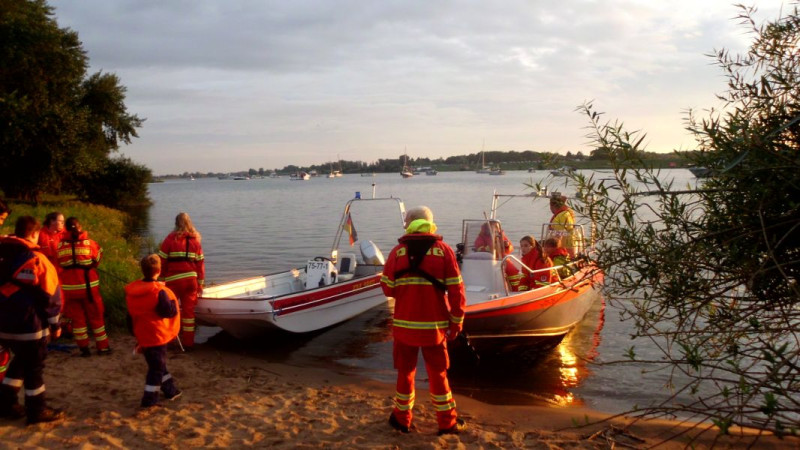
(231, 85)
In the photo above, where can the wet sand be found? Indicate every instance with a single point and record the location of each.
(234, 399)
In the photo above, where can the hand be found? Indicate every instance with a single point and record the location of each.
(55, 332)
(452, 331)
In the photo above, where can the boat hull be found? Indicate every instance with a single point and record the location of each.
(532, 319)
(300, 312)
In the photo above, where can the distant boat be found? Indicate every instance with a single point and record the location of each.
(563, 171)
(274, 175)
(406, 172)
(368, 174)
(531, 170)
(313, 173)
(225, 177)
(241, 178)
(300, 176)
(431, 172)
(483, 168)
(700, 172)
(338, 173)
(191, 178)
(497, 171)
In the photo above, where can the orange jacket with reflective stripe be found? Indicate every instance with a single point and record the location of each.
(182, 257)
(422, 311)
(149, 327)
(48, 243)
(535, 262)
(77, 259)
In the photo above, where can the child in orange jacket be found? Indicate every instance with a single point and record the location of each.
(153, 310)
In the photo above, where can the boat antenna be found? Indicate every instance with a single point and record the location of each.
(373, 190)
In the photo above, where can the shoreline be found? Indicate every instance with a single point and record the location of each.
(236, 400)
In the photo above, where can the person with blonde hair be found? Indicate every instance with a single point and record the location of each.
(183, 270)
(422, 275)
(562, 225)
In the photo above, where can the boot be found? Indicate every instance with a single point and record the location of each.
(45, 414)
(104, 351)
(85, 352)
(149, 399)
(171, 392)
(394, 423)
(9, 405)
(459, 426)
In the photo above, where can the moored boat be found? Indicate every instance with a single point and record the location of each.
(500, 321)
(326, 291)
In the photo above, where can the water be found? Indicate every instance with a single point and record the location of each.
(256, 227)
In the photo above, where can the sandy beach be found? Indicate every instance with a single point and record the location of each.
(234, 400)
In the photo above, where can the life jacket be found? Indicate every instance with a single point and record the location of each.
(181, 257)
(535, 262)
(78, 260)
(48, 243)
(149, 327)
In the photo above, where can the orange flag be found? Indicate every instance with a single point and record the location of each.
(351, 230)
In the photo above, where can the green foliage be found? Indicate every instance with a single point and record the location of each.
(54, 122)
(709, 273)
(108, 227)
(117, 183)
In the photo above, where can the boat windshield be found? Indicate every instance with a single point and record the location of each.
(483, 239)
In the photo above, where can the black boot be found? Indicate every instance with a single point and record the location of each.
(149, 399)
(171, 392)
(455, 429)
(9, 405)
(38, 412)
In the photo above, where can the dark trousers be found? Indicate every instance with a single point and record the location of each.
(158, 378)
(25, 369)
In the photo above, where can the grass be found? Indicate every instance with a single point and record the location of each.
(120, 262)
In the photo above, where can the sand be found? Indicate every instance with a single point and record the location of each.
(234, 400)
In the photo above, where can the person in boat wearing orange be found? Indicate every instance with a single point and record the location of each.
(483, 243)
(562, 224)
(183, 269)
(533, 256)
(30, 303)
(552, 248)
(153, 310)
(78, 258)
(422, 275)
(52, 232)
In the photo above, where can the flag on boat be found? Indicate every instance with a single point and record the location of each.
(351, 229)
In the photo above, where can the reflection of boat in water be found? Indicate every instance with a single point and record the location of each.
(328, 290)
(499, 321)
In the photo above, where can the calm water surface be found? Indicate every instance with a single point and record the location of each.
(260, 226)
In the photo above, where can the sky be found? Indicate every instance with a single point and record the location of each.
(232, 85)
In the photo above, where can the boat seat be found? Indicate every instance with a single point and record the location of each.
(346, 266)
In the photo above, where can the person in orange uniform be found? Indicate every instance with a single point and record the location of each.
(5, 355)
(153, 309)
(562, 225)
(422, 275)
(484, 243)
(78, 258)
(183, 269)
(51, 233)
(533, 256)
(30, 303)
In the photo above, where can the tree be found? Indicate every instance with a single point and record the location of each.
(710, 273)
(55, 124)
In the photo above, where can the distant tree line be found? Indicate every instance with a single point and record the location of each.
(59, 126)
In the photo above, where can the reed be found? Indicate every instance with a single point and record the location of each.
(109, 227)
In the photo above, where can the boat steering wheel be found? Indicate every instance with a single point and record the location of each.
(322, 258)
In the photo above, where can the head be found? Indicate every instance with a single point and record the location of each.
(184, 225)
(557, 201)
(526, 244)
(54, 221)
(27, 228)
(421, 213)
(551, 245)
(4, 211)
(73, 227)
(151, 266)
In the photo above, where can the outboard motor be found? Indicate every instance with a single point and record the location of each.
(371, 253)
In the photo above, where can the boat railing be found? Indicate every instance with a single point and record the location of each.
(577, 236)
(522, 265)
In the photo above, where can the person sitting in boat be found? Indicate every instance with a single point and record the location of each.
(422, 275)
(534, 257)
(562, 224)
(484, 243)
(559, 255)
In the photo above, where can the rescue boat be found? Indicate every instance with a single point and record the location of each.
(326, 291)
(499, 321)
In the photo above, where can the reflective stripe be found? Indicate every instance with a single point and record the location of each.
(34, 392)
(25, 336)
(403, 407)
(416, 281)
(166, 377)
(78, 287)
(80, 330)
(54, 320)
(445, 407)
(440, 325)
(453, 281)
(67, 251)
(13, 382)
(148, 388)
(3, 368)
(442, 398)
(180, 276)
(189, 255)
(404, 397)
(455, 319)
(162, 254)
(97, 331)
(385, 280)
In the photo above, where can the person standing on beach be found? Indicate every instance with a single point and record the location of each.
(183, 269)
(52, 232)
(153, 309)
(422, 275)
(5, 355)
(78, 257)
(30, 303)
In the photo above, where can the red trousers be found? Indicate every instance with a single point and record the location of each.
(436, 363)
(5, 357)
(186, 291)
(80, 310)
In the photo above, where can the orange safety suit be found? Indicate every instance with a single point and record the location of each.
(48, 243)
(78, 260)
(535, 280)
(429, 302)
(183, 269)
